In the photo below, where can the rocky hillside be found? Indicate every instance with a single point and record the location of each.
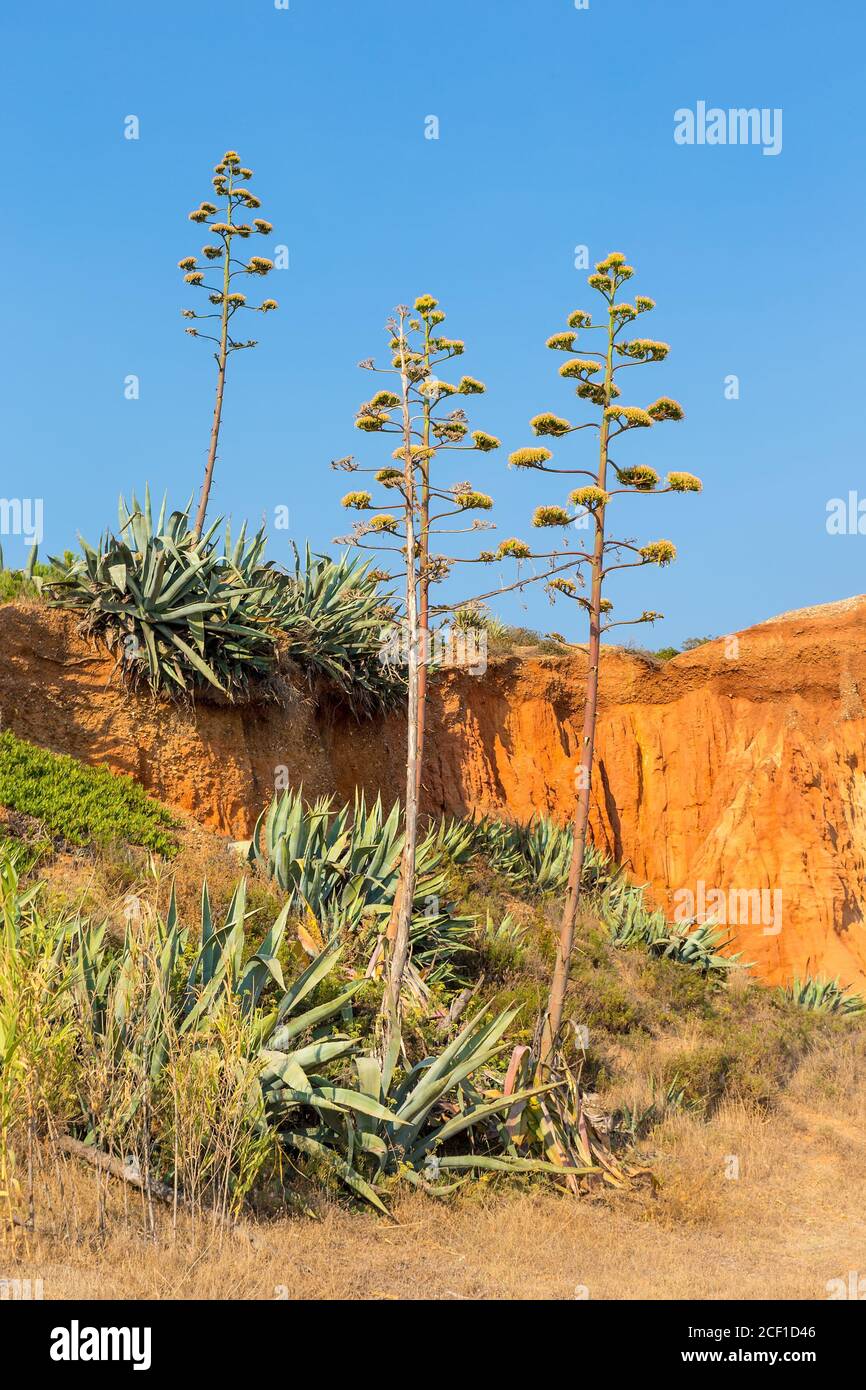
(732, 778)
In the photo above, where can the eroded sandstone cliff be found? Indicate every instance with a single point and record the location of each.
(737, 768)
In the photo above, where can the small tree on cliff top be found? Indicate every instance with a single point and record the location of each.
(229, 182)
(418, 506)
(595, 373)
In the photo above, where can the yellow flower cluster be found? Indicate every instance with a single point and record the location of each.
(665, 409)
(644, 350)
(547, 423)
(659, 552)
(640, 476)
(513, 549)
(550, 516)
(684, 482)
(590, 496)
(629, 416)
(474, 501)
(602, 283)
(579, 367)
(529, 458)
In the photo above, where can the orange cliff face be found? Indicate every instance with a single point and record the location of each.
(733, 779)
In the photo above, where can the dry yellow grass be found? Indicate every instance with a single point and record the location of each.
(790, 1221)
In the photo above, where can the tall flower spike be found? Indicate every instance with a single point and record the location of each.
(226, 301)
(593, 505)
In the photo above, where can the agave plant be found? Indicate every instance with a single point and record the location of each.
(535, 854)
(622, 908)
(169, 605)
(562, 1123)
(824, 996)
(340, 862)
(181, 611)
(392, 1126)
(135, 1002)
(506, 936)
(331, 614)
(343, 865)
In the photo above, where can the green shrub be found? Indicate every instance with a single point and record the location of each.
(29, 582)
(84, 805)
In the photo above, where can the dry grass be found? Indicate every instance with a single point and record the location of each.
(790, 1221)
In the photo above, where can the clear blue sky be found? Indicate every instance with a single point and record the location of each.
(556, 130)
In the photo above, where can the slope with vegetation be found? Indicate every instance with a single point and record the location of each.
(224, 1056)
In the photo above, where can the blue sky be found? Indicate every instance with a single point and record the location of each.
(555, 131)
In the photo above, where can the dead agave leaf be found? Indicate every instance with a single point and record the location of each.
(310, 935)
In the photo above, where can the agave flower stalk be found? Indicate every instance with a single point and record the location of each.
(405, 528)
(596, 373)
(230, 186)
